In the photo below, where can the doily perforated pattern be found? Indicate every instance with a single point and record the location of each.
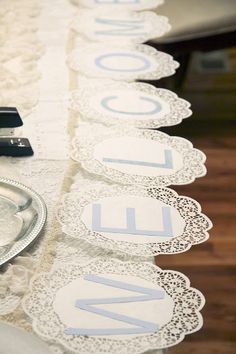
(195, 230)
(75, 257)
(81, 102)
(45, 177)
(185, 319)
(82, 57)
(85, 142)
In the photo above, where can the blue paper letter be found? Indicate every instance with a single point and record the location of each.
(145, 64)
(131, 223)
(141, 326)
(124, 27)
(157, 107)
(168, 164)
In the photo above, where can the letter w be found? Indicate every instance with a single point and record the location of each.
(125, 27)
(140, 325)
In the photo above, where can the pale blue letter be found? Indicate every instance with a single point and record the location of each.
(145, 63)
(141, 326)
(125, 27)
(157, 107)
(131, 223)
(168, 164)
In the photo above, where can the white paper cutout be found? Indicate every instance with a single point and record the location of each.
(144, 157)
(122, 26)
(45, 296)
(134, 5)
(189, 226)
(138, 105)
(121, 62)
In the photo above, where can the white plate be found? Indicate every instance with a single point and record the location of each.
(177, 312)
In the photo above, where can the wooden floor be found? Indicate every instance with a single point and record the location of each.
(211, 266)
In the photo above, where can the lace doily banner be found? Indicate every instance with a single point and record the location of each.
(111, 306)
(114, 5)
(127, 62)
(126, 156)
(123, 26)
(136, 105)
(106, 195)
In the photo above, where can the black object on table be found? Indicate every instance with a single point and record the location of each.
(13, 146)
(10, 118)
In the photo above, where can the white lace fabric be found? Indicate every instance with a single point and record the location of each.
(24, 34)
(35, 78)
(20, 51)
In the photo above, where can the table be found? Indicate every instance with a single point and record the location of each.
(50, 172)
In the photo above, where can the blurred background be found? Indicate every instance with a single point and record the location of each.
(203, 40)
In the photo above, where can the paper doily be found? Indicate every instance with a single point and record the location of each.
(128, 27)
(119, 5)
(127, 63)
(137, 105)
(175, 307)
(127, 156)
(160, 222)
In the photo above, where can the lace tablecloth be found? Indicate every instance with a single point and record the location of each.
(36, 79)
(49, 125)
